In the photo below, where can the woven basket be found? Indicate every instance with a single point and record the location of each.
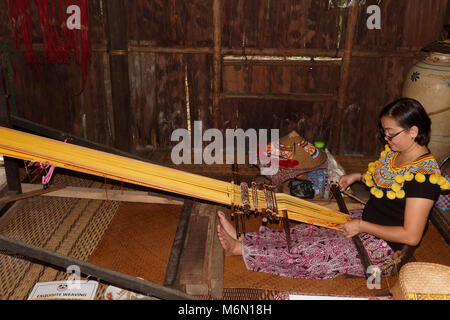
(422, 281)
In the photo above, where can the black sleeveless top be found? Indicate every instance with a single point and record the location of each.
(391, 186)
(388, 212)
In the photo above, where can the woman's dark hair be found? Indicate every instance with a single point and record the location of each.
(408, 113)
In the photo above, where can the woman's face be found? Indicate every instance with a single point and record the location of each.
(398, 138)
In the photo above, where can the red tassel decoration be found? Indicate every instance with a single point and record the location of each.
(59, 41)
(21, 22)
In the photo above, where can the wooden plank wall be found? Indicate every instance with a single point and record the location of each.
(173, 40)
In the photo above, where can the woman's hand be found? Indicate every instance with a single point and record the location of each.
(351, 228)
(348, 179)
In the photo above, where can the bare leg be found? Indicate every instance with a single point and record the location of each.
(231, 246)
(227, 226)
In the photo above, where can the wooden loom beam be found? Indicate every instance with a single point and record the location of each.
(45, 131)
(26, 195)
(178, 245)
(54, 259)
(11, 166)
(99, 194)
(30, 147)
(363, 255)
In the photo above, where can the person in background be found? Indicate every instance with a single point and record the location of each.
(404, 185)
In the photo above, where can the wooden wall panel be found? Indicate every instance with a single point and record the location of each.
(310, 119)
(200, 74)
(97, 14)
(93, 104)
(62, 103)
(315, 79)
(280, 78)
(6, 32)
(143, 106)
(55, 104)
(235, 78)
(171, 22)
(170, 95)
(280, 24)
(373, 84)
(50, 94)
(405, 24)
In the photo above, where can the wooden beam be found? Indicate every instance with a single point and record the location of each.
(345, 75)
(406, 52)
(11, 166)
(194, 264)
(41, 130)
(178, 245)
(281, 52)
(174, 49)
(29, 194)
(217, 258)
(201, 269)
(217, 61)
(279, 62)
(120, 280)
(281, 96)
(102, 194)
(120, 82)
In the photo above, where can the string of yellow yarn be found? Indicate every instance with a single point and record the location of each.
(30, 147)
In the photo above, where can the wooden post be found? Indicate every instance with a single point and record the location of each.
(345, 75)
(120, 83)
(11, 166)
(202, 261)
(217, 57)
(178, 244)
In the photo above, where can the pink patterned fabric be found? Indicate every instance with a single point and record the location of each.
(316, 253)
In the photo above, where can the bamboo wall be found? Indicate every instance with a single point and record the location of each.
(176, 50)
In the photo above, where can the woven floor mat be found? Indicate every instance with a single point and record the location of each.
(138, 241)
(76, 227)
(72, 227)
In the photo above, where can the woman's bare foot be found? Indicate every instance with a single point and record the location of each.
(227, 226)
(231, 246)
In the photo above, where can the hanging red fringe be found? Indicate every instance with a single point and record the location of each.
(21, 21)
(59, 41)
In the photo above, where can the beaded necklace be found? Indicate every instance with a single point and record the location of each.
(385, 179)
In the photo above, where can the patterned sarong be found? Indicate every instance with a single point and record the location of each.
(316, 253)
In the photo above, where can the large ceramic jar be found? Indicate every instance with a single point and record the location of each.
(428, 82)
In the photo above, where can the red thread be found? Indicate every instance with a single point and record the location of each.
(106, 190)
(59, 41)
(21, 20)
(195, 215)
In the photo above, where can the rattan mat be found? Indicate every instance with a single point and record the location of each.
(77, 227)
(72, 227)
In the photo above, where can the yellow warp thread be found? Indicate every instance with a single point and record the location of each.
(21, 145)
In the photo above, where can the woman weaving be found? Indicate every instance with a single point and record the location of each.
(404, 183)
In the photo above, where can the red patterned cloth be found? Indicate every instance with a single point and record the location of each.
(316, 253)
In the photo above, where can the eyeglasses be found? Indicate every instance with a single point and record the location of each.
(389, 138)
